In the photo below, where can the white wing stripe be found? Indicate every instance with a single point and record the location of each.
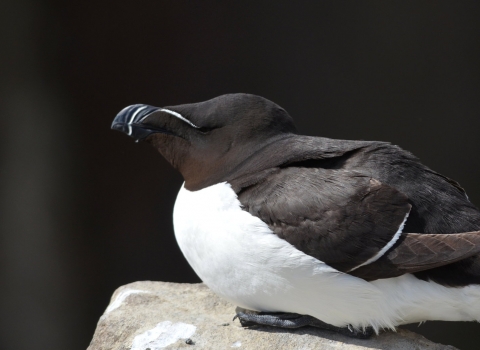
(387, 246)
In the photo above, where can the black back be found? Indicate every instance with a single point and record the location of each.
(438, 204)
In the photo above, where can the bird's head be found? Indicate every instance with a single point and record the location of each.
(207, 141)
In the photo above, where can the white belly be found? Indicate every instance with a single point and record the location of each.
(240, 259)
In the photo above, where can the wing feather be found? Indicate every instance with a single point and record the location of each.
(349, 221)
(339, 217)
(419, 252)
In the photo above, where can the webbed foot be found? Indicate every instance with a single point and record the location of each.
(291, 320)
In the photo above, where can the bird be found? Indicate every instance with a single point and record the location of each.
(351, 236)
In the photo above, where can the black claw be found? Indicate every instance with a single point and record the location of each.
(247, 320)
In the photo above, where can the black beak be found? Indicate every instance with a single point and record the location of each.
(130, 119)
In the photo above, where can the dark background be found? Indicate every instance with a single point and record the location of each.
(84, 210)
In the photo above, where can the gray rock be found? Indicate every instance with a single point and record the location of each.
(158, 315)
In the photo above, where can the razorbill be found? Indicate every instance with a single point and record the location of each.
(346, 235)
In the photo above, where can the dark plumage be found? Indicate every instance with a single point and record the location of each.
(356, 215)
(339, 201)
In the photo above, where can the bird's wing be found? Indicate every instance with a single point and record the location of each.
(419, 252)
(350, 221)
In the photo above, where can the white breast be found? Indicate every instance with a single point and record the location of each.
(240, 259)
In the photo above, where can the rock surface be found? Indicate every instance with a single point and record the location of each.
(158, 315)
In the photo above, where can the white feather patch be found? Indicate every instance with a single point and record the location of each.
(243, 261)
